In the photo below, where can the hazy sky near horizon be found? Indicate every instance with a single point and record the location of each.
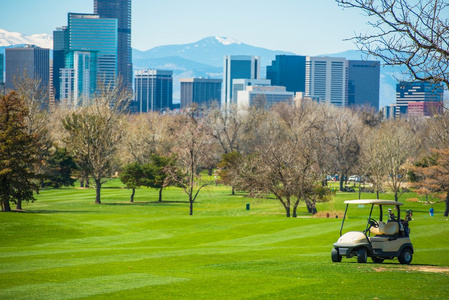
(309, 27)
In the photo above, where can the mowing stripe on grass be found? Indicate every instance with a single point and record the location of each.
(86, 287)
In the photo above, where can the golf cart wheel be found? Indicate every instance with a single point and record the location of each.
(361, 255)
(377, 260)
(406, 256)
(335, 256)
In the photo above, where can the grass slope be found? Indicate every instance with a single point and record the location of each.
(66, 247)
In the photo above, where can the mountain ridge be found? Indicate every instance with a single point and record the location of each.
(210, 50)
(204, 58)
(9, 38)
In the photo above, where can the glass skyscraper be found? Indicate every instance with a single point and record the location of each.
(288, 71)
(238, 67)
(79, 77)
(60, 47)
(153, 91)
(92, 33)
(363, 83)
(120, 10)
(2, 67)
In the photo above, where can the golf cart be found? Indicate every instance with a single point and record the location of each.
(379, 240)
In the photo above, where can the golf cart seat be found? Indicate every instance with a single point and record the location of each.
(385, 229)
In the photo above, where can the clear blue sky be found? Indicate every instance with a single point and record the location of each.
(307, 27)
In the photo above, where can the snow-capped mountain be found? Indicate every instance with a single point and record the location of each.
(227, 41)
(209, 51)
(203, 58)
(8, 38)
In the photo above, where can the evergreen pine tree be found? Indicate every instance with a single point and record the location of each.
(18, 152)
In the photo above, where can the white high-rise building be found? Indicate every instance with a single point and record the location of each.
(242, 84)
(264, 95)
(326, 79)
(238, 67)
(67, 76)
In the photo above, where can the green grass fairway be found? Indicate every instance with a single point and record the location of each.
(66, 247)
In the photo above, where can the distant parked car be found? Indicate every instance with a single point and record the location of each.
(354, 178)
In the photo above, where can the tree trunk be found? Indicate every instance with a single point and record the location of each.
(233, 190)
(19, 204)
(360, 192)
(190, 206)
(396, 196)
(295, 207)
(377, 194)
(132, 195)
(81, 182)
(341, 183)
(5, 205)
(160, 195)
(311, 208)
(446, 211)
(97, 191)
(287, 210)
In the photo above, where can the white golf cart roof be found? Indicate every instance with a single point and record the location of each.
(373, 201)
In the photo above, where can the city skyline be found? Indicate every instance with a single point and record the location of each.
(287, 25)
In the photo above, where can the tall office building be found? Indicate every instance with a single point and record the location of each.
(363, 83)
(120, 10)
(89, 32)
(2, 72)
(33, 60)
(60, 47)
(201, 91)
(288, 71)
(153, 91)
(79, 77)
(2, 67)
(422, 96)
(238, 67)
(326, 79)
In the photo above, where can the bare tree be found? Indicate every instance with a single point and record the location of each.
(438, 131)
(407, 33)
(344, 128)
(283, 161)
(192, 145)
(398, 147)
(226, 127)
(142, 137)
(374, 160)
(95, 131)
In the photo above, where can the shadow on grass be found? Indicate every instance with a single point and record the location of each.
(150, 203)
(43, 211)
(390, 262)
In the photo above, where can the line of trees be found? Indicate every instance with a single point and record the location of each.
(287, 152)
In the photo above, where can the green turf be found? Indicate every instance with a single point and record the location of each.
(66, 247)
